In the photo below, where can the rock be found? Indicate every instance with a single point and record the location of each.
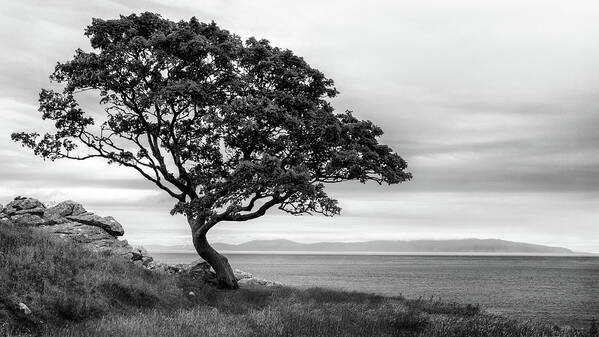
(136, 255)
(92, 237)
(202, 271)
(21, 203)
(3, 216)
(37, 211)
(81, 233)
(27, 220)
(149, 264)
(158, 267)
(240, 274)
(24, 309)
(109, 224)
(257, 282)
(64, 209)
(146, 260)
(139, 253)
(202, 264)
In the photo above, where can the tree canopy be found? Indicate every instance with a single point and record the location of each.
(229, 128)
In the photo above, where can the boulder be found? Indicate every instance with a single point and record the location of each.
(177, 268)
(257, 282)
(27, 220)
(24, 309)
(2, 214)
(148, 262)
(240, 274)
(4, 219)
(36, 211)
(21, 203)
(109, 224)
(92, 237)
(203, 271)
(139, 253)
(79, 232)
(64, 209)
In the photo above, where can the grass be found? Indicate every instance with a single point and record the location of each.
(74, 292)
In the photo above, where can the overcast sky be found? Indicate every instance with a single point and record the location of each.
(494, 104)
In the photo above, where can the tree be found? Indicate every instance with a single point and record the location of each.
(228, 128)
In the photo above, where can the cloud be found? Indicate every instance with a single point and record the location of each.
(496, 98)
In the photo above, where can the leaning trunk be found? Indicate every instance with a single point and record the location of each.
(224, 273)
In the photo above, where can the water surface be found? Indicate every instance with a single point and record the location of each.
(549, 289)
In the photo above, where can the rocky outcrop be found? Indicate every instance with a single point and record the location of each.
(109, 224)
(69, 220)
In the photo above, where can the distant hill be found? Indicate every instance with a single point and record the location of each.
(415, 246)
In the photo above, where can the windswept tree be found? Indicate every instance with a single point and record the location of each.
(228, 128)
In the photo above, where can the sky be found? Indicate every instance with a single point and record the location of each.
(494, 105)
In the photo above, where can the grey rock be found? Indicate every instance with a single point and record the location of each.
(24, 309)
(20, 204)
(80, 233)
(136, 255)
(63, 209)
(147, 260)
(91, 237)
(37, 211)
(109, 224)
(139, 253)
(257, 282)
(203, 271)
(27, 220)
(177, 268)
(240, 274)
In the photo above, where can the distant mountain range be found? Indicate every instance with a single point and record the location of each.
(415, 246)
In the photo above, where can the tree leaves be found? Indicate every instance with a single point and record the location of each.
(228, 128)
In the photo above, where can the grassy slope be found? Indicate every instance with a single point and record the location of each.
(73, 292)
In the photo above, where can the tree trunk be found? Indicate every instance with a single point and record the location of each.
(224, 273)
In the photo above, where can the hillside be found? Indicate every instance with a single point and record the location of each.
(415, 246)
(72, 291)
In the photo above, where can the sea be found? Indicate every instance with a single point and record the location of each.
(556, 290)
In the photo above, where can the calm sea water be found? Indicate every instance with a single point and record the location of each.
(548, 289)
